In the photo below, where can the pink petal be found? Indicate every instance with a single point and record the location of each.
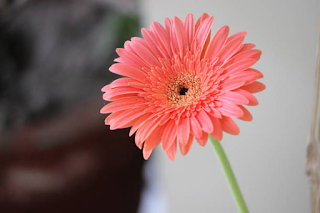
(247, 76)
(152, 41)
(172, 151)
(154, 139)
(259, 74)
(252, 100)
(125, 103)
(141, 121)
(162, 35)
(246, 115)
(249, 54)
(230, 49)
(204, 121)
(109, 94)
(217, 42)
(230, 110)
(217, 133)
(146, 153)
(145, 54)
(203, 140)
(203, 31)
(203, 17)
(234, 97)
(254, 87)
(180, 34)
(106, 88)
(231, 85)
(122, 69)
(120, 82)
(239, 66)
(184, 130)
(129, 57)
(112, 116)
(169, 135)
(237, 35)
(229, 126)
(189, 26)
(184, 149)
(144, 132)
(125, 117)
(195, 127)
(247, 46)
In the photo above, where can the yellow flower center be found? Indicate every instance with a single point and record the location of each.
(183, 89)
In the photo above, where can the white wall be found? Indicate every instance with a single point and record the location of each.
(268, 156)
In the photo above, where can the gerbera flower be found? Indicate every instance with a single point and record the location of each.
(180, 84)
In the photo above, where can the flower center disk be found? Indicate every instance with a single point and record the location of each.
(183, 89)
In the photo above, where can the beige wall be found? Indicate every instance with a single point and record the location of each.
(268, 156)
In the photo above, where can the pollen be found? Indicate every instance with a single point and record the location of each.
(183, 89)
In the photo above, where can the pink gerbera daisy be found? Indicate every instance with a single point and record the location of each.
(180, 84)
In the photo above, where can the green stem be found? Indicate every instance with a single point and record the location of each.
(242, 207)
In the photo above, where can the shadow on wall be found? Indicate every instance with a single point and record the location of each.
(56, 155)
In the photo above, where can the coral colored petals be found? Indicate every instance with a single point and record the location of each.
(105, 88)
(247, 76)
(203, 140)
(252, 100)
(189, 26)
(184, 130)
(246, 115)
(246, 47)
(122, 104)
(144, 132)
(217, 133)
(154, 139)
(195, 127)
(140, 122)
(145, 54)
(230, 49)
(249, 54)
(125, 117)
(129, 57)
(239, 66)
(122, 69)
(169, 134)
(258, 73)
(254, 87)
(112, 116)
(234, 97)
(201, 19)
(215, 113)
(217, 42)
(146, 154)
(109, 94)
(179, 84)
(204, 121)
(121, 82)
(162, 36)
(180, 35)
(237, 35)
(230, 110)
(229, 126)
(232, 84)
(172, 151)
(203, 31)
(184, 149)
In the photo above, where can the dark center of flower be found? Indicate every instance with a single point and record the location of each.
(183, 91)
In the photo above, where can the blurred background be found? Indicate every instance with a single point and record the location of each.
(56, 155)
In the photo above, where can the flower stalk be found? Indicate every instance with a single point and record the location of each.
(225, 164)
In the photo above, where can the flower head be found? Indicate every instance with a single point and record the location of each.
(180, 84)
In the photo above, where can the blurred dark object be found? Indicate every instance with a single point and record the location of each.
(56, 155)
